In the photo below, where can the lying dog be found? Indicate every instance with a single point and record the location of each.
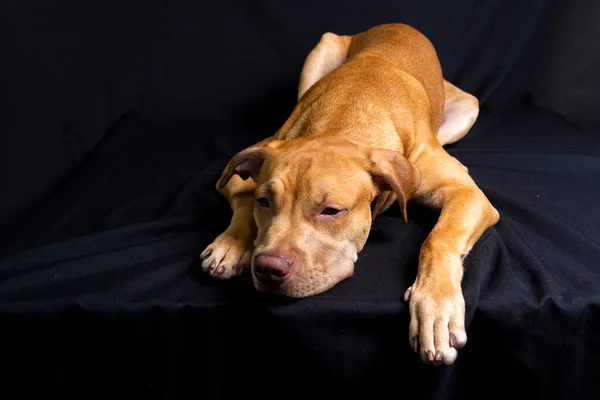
(372, 116)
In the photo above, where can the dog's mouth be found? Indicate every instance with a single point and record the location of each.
(306, 283)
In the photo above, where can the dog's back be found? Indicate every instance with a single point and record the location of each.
(382, 69)
(409, 50)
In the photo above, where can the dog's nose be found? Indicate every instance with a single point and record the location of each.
(271, 269)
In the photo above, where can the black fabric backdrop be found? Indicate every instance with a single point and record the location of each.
(116, 119)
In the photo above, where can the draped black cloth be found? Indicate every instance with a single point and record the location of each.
(116, 119)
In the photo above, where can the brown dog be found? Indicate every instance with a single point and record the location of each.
(372, 116)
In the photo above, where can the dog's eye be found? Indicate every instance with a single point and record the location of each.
(330, 211)
(263, 202)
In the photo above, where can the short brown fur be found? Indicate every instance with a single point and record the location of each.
(373, 114)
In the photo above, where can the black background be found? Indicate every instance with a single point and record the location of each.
(116, 119)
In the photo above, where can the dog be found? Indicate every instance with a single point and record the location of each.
(368, 130)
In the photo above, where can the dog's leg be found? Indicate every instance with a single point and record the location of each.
(460, 112)
(437, 305)
(229, 255)
(330, 53)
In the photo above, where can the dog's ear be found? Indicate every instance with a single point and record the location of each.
(248, 162)
(391, 171)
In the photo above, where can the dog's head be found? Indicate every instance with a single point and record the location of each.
(313, 207)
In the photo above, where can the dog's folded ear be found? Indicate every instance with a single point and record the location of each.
(248, 162)
(391, 171)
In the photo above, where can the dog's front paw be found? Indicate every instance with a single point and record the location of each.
(437, 322)
(228, 256)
